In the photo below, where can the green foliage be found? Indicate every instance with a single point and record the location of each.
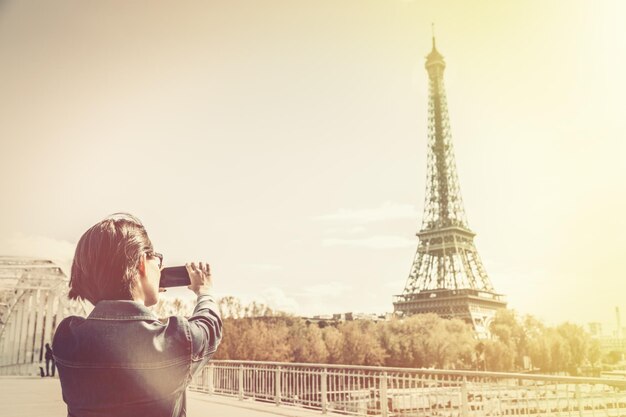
(307, 344)
(499, 356)
(564, 348)
(255, 332)
(427, 340)
(360, 343)
(420, 341)
(256, 340)
(333, 339)
(613, 357)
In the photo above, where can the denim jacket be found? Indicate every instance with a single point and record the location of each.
(122, 361)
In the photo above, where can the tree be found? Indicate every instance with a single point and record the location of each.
(255, 332)
(594, 354)
(333, 339)
(427, 340)
(361, 346)
(230, 307)
(255, 340)
(507, 329)
(559, 350)
(307, 343)
(399, 344)
(578, 342)
(166, 307)
(498, 356)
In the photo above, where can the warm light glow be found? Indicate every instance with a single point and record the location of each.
(285, 142)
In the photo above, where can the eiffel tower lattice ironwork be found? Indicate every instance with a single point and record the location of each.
(447, 276)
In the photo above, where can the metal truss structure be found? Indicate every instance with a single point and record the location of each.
(447, 276)
(33, 300)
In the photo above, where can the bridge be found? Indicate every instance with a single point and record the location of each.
(33, 301)
(241, 388)
(41, 397)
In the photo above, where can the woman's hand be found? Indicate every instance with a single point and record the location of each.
(200, 277)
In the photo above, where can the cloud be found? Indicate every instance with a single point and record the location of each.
(387, 211)
(329, 289)
(277, 299)
(59, 251)
(373, 242)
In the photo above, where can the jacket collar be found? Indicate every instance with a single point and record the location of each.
(121, 310)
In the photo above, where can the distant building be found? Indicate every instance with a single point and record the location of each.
(612, 339)
(612, 344)
(595, 329)
(333, 319)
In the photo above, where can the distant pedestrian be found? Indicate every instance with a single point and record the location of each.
(49, 360)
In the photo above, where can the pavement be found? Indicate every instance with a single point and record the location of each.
(41, 397)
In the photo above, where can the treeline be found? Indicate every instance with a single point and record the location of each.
(255, 332)
(230, 307)
(563, 348)
(420, 341)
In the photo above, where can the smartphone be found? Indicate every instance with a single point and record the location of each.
(174, 276)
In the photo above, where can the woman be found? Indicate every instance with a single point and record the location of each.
(121, 360)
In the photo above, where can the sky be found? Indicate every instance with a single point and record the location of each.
(284, 142)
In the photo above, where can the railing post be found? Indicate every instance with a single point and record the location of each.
(210, 373)
(579, 401)
(384, 408)
(241, 382)
(324, 386)
(464, 398)
(277, 385)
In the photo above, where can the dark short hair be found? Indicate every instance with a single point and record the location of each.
(107, 257)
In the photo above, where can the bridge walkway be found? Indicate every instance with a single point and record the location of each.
(41, 397)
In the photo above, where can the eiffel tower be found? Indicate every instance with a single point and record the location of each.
(447, 276)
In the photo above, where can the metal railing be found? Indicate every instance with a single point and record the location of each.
(394, 392)
(21, 369)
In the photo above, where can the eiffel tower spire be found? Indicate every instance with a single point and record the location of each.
(447, 276)
(444, 205)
